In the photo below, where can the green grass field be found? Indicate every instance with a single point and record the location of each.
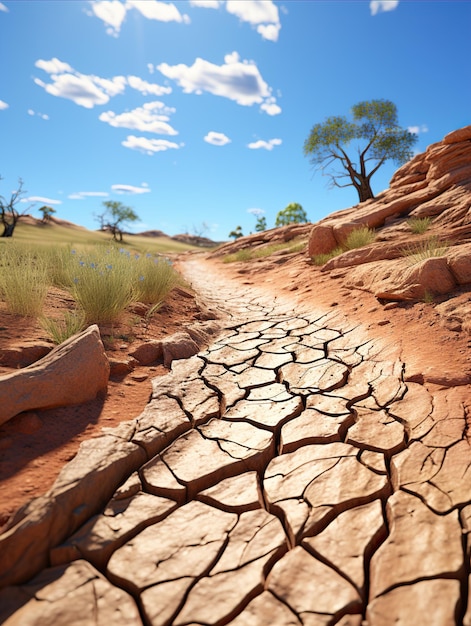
(51, 234)
(102, 277)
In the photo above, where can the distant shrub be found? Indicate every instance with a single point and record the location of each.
(419, 225)
(359, 237)
(24, 279)
(239, 256)
(260, 252)
(321, 259)
(431, 247)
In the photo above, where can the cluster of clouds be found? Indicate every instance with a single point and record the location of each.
(83, 195)
(416, 130)
(262, 15)
(237, 80)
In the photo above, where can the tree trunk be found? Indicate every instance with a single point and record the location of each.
(364, 190)
(8, 230)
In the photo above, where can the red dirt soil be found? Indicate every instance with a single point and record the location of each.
(35, 446)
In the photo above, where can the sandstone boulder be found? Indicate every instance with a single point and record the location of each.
(398, 280)
(321, 240)
(178, 346)
(72, 373)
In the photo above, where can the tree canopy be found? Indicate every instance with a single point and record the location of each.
(292, 214)
(261, 224)
(47, 212)
(115, 216)
(236, 233)
(377, 138)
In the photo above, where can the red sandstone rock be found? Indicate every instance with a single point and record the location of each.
(72, 373)
(435, 183)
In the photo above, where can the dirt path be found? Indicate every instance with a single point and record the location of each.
(295, 473)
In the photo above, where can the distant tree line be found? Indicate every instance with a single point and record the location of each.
(292, 214)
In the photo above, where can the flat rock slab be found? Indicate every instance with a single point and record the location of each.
(288, 475)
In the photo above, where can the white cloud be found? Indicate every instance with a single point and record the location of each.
(266, 145)
(111, 86)
(81, 195)
(254, 11)
(147, 88)
(217, 139)
(80, 89)
(256, 212)
(261, 13)
(149, 146)
(206, 4)
(85, 90)
(152, 117)
(130, 189)
(155, 10)
(416, 130)
(112, 13)
(270, 107)
(54, 66)
(269, 31)
(3, 105)
(379, 6)
(3, 7)
(236, 80)
(43, 116)
(41, 199)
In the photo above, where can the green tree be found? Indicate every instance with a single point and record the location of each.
(376, 136)
(47, 212)
(292, 214)
(261, 224)
(115, 216)
(236, 233)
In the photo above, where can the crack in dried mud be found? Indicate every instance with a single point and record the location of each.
(297, 420)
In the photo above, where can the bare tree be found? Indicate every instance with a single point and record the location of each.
(9, 215)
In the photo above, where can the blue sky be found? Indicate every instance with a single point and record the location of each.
(194, 113)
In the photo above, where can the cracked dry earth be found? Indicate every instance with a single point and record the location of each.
(292, 474)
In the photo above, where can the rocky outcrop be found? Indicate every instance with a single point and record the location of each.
(435, 184)
(72, 373)
(283, 234)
